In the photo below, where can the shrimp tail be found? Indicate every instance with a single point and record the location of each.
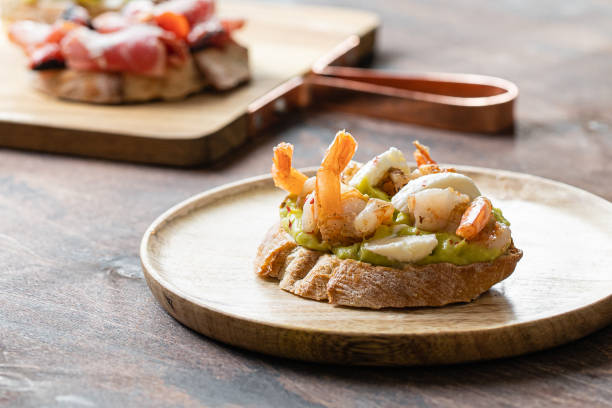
(285, 176)
(340, 152)
(421, 154)
(327, 186)
(475, 218)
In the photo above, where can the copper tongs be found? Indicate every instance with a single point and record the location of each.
(463, 102)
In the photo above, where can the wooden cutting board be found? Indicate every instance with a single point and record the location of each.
(284, 42)
(198, 262)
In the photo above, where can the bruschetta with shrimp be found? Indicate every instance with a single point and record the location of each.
(145, 51)
(383, 234)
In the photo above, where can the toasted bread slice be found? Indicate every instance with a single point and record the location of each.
(178, 83)
(84, 86)
(320, 276)
(223, 68)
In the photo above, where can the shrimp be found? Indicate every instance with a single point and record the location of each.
(353, 203)
(397, 180)
(433, 208)
(338, 212)
(328, 187)
(494, 235)
(359, 216)
(426, 165)
(475, 218)
(285, 176)
(375, 213)
(421, 154)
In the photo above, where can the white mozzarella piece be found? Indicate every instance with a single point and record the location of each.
(410, 248)
(458, 182)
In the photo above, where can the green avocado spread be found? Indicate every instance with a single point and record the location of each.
(366, 188)
(451, 248)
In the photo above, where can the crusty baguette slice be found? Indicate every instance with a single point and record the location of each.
(111, 88)
(320, 276)
(223, 68)
(84, 86)
(178, 83)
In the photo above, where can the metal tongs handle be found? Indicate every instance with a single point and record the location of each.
(464, 102)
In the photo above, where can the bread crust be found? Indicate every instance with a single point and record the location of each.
(347, 282)
(84, 86)
(178, 83)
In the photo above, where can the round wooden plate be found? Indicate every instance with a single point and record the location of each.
(198, 262)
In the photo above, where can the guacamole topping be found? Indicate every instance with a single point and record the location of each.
(291, 221)
(366, 188)
(451, 248)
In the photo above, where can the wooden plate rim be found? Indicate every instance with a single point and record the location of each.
(190, 204)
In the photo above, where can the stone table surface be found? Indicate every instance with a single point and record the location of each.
(79, 327)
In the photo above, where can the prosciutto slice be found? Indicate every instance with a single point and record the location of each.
(165, 50)
(140, 11)
(41, 41)
(140, 49)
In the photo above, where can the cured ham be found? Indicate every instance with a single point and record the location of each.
(141, 49)
(141, 11)
(46, 56)
(142, 52)
(41, 41)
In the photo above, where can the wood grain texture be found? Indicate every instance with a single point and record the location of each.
(284, 42)
(198, 259)
(78, 322)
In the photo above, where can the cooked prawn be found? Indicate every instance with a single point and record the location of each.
(421, 154)
(426, 165)
(360, 216)
(397, 180)
(494, 236)
(475, 218)
(285, 176)
(352, 203)
(328, 188)
(432, 208)
(338, 212)
(375, 213)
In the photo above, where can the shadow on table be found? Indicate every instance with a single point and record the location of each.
(582, 356)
